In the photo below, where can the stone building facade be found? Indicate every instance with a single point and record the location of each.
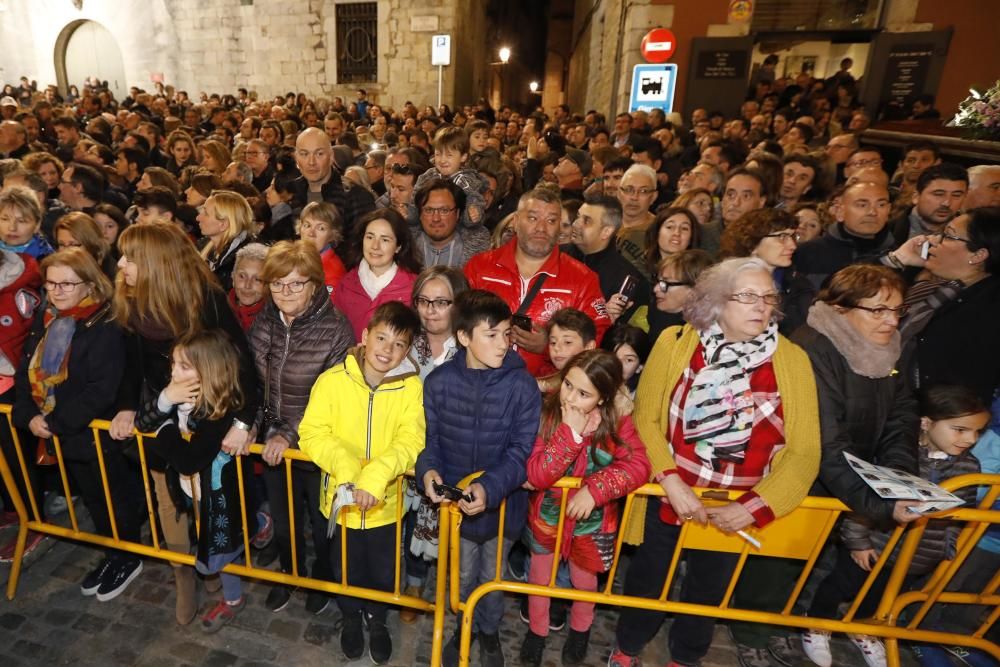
(270, 46)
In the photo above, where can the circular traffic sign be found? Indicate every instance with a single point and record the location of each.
(658, 45)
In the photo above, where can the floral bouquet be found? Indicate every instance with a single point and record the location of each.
(979, 114)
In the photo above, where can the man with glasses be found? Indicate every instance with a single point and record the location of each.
(375, 168)
(438, 238)
(939, 197)
(636, 192)
(859, 235)
(861, 158)
(258, 156)
(838, 150)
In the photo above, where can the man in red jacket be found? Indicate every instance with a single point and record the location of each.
(513, 269)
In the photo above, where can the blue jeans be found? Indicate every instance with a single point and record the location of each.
(478, 566)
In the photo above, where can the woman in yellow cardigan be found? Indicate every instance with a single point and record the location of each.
(724, 402)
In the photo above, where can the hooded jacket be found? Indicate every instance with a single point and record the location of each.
(483, 420)
(20, 296)
(362, 435)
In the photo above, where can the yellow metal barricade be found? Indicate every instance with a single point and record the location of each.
(35, 522)
(800, 535)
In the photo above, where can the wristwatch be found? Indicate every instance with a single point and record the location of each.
(243, 426)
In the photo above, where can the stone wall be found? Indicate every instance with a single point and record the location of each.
(271, 46)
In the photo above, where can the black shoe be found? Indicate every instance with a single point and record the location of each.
(278, 598)
(575, 649)
(449, 655)
(557, 615)
(267, 555)
(317, 602)
(117, 578)
(379, 642)
(517, 562)
(92, 581)
(490, 651)
(532, 649)
(522, 611)
(352, 637)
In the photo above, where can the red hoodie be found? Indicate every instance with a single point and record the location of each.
(20, 297)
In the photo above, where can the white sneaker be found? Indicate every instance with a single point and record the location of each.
(816, 645)
(872, 648)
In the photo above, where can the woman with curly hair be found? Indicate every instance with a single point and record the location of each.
(772, 235)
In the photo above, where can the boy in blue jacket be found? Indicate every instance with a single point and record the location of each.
(482, 409)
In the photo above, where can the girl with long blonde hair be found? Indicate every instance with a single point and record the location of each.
(226, 221)
(203, 396)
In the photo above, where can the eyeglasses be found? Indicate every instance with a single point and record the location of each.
(433, 304)
(66, 286)
(949, 233)
(664, 285)
(749, 298)
(294, 287)
(404, 169)
(441, 210)
(794, 237)
(630, 191)
(879, 312)
(254, 153)
(874, 162)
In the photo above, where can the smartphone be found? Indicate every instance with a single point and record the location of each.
(521, 322)
(452, 493)
(925, 249)
(628, 287)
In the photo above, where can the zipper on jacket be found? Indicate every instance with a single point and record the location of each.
(281, 369)
(368, 442)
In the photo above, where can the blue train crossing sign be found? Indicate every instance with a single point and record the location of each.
(653, 87)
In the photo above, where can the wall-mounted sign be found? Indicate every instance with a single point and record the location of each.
(441, 50)
(906, 71)
(653, 87)
(658, 45)
(722, 64)
(423, 23)
(740, 11)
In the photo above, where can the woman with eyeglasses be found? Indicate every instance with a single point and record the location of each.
(724, 402)
(386, 267)
(953, 326)
(434, 294)
(867, 404)
(772, 235)
(297, 336)
(675, 275)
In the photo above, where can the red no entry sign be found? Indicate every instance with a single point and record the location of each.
(658, 45)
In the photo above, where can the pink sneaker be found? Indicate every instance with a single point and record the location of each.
(34, 539)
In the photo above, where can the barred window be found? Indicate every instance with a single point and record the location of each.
(357, 42)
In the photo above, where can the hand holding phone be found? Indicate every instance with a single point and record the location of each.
(452, 493)
(522, 322)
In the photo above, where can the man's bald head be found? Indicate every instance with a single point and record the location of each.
(314, 155)
(869, 175)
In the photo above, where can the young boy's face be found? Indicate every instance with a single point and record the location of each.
(385, 349)
(486, 346)
(448, 160)
(564, 344)
(477, 141)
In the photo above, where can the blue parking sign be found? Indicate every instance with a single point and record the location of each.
(653, 87)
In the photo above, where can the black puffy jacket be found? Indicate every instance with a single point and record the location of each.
(290, 358)
(874, 419)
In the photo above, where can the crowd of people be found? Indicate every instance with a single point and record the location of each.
(733, 303)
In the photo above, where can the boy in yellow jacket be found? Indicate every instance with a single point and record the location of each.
(364, 427)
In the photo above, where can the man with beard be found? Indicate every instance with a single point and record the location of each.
(513, 272)
(438, 238)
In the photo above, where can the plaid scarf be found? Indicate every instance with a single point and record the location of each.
(719, 412)
(48, 367)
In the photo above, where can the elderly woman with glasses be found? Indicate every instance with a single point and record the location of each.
(953, 326)
(675, 275)
(724, 402)
(772, 235)
(867, 404)
(297, 336)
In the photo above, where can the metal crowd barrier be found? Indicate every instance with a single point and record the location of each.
(35, 522)
(800, 535)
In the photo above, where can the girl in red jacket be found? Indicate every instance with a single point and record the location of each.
(582, 435)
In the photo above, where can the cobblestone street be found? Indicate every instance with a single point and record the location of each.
(50, 623)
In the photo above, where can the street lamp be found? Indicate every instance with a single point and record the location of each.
(534, 86)
(504, 57)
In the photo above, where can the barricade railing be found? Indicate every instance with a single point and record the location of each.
(800, 535)
(34, 520)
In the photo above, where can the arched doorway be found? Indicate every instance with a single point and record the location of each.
(87, 49)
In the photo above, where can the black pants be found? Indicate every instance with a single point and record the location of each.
(707, 577)
(29, 445)
(370, 564)
(843, 584)
(305, 498)
(764, 585)
(125, 484)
